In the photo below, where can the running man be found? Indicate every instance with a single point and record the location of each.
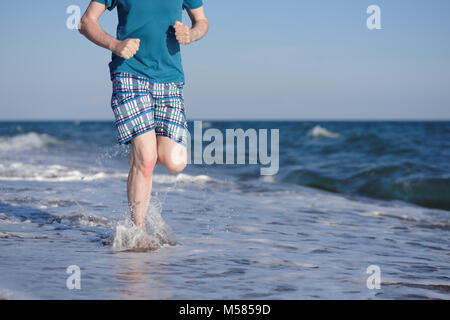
(147, 80)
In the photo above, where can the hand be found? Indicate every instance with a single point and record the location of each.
(127, 48)
(182, 33)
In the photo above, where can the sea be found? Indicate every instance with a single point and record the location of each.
(355, 210)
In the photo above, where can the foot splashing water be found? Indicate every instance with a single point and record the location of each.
(129, 237)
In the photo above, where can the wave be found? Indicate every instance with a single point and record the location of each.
(382, 182)
(320, 132)
(27, 141)
(432, 192)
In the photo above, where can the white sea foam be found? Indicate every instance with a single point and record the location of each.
(87, 220)
(18, 171)
(8, 219)
(320, 132)
(6, 294)
(182, 178)
(26, 141)
(245, 229)
(22, 235)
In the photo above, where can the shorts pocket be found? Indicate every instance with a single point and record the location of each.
(126, 87)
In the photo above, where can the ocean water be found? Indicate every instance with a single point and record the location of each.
(348, 195)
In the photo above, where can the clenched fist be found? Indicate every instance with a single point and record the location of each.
(127, 48)
(182, 33)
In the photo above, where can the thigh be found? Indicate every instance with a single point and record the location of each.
(132, 106)
(144, 147)
(169, 112)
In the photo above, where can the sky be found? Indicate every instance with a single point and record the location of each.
(261, 60)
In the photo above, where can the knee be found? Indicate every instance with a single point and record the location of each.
(145, 165)
(174, 165)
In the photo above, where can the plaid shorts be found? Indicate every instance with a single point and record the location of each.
(140, 105)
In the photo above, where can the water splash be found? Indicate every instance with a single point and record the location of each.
(112, 152)
(129, 237)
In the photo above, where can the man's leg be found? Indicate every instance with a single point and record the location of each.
(171, 154)
(143, 157)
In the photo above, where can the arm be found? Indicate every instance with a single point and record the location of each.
(90, 28)
(200, 27)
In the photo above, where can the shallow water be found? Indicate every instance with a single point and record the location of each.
(225, 235)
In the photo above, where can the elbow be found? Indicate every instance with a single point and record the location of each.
(204, 22)
(82, 25)
(207, 24)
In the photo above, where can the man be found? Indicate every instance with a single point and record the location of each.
(147, 78)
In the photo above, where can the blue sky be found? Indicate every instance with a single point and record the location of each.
(288, 59)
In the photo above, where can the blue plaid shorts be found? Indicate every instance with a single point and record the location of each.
(140, 105)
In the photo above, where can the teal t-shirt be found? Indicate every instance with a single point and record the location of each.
(151, 21)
